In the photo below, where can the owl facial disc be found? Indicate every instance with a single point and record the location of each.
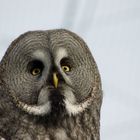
(51, 72)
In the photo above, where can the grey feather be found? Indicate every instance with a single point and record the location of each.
(33, 105)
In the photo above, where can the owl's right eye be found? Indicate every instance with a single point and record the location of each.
(36, 67)
(36, 71)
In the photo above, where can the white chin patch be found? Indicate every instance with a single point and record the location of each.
(74, 109)
(35, 110)
(41, 109)
(44, 106)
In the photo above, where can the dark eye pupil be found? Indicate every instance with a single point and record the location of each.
(65, 68)
(36, 71)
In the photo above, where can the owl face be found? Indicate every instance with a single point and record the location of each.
(49, 72)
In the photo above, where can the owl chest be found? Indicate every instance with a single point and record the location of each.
(68, 134)
(39, 132)
(42, 134)
(62, 133)
(58, 134)
(50, 134)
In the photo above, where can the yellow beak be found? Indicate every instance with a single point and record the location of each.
(55, 80)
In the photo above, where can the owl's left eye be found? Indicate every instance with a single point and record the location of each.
(66, 68)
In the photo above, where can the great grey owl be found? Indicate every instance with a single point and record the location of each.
(50, 88)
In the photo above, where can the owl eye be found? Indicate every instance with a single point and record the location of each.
(35, 67)
(66, 68)
(36, 71)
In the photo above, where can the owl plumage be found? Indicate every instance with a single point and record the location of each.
(50, 88)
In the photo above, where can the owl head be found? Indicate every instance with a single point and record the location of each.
(50, 72)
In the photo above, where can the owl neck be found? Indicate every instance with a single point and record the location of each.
(84, 126)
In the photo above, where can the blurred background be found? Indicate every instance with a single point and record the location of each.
(111, 29)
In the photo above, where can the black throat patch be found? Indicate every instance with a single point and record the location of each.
(57, 103)
(58, 111)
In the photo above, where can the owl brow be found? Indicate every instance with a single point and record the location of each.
(66, 61)
(61, 53)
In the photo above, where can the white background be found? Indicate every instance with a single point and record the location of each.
(111, 29)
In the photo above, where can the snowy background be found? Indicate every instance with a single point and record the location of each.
(111, 29)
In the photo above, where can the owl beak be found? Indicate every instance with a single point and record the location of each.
(55, 80)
